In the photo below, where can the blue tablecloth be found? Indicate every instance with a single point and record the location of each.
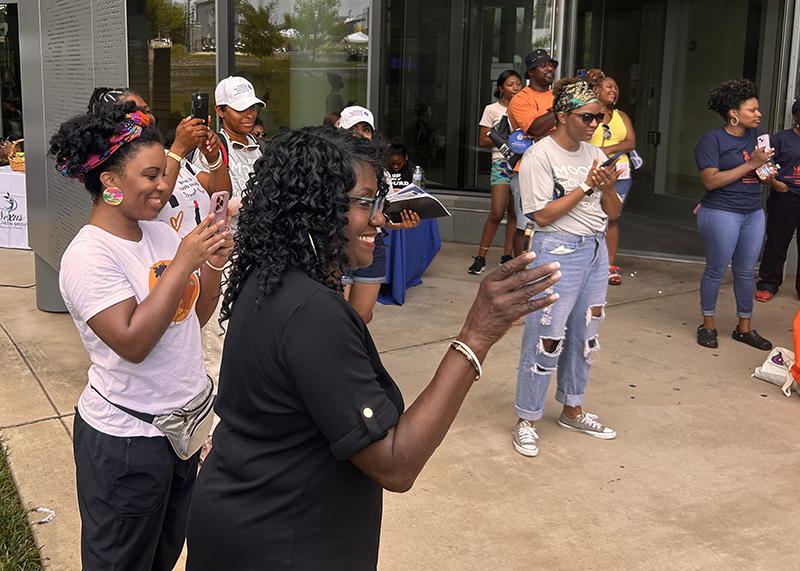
(408, 255)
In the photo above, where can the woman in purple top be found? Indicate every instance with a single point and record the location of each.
(730, 217)
(783, 211)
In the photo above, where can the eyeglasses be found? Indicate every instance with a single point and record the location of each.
(259, 134)
(606, 131)
(589, 118)
(377, 204)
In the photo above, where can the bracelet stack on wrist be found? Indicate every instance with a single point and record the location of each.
(215, 165)
(464, 349)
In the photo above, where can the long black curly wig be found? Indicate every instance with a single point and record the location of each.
(730, 95)
(86, 135)
(297, 196)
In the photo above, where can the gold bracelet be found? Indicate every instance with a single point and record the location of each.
(464, 349)
(175, 156)
(215, 267)
(215, 165)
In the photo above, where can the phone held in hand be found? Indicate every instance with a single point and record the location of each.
(763, 141)
(219, 208)
(528, 236)
(612, 159)
(200, 106)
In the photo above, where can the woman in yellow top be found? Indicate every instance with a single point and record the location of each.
(613, 135)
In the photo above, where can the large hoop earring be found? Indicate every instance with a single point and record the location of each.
(313, 247)
(112, 196)
(732, 121)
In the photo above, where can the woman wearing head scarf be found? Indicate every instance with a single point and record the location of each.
(313, 427)
(570, 199)
(138, 295)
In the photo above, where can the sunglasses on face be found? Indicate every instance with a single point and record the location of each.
(589, 118)
(377, 204)
(606, 131)
(259, 134)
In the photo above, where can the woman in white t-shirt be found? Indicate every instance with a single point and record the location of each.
(508, 85)
(191, 185)
(571, 198)
(138, 298)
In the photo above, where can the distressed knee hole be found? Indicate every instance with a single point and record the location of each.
(550, 346)
(540, 370)
(591, 345)
(597, 312)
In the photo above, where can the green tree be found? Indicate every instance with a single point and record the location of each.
(257, 32)
(166, 19)
(317, 22)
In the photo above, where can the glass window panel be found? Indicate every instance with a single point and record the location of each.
(304, 57)
(172, 51)
(10, 85)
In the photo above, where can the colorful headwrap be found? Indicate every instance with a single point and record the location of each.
(132, 127)
(572, 96)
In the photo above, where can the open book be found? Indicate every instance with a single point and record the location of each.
(413, 198)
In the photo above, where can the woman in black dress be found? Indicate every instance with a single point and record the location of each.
(312, 426)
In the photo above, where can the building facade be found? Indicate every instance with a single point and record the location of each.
(426, 70)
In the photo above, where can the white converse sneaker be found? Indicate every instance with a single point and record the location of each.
(525, 438)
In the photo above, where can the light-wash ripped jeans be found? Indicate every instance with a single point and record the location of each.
(569, 321)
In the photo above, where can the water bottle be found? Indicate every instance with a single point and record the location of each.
(418, 177)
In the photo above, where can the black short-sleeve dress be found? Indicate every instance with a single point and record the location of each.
(302, 389)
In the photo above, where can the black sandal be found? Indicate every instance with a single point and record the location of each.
(753, 339)
(707, 337)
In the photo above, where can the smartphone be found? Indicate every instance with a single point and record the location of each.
(612, 159)
(200, 106)
(219, 208)
(528, 237)
(763, 141)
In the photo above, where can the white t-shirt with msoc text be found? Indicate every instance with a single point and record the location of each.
(545, 163)
(99, 270)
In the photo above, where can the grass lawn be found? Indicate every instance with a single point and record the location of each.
(17, 549)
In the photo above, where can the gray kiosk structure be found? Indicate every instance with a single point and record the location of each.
(68, 47)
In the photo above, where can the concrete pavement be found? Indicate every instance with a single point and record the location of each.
(702, 475)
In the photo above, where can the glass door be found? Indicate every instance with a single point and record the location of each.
(635, 64)
(704, 56)
(11, 126)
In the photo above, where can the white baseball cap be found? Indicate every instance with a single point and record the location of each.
(356, 114)
(236, 92)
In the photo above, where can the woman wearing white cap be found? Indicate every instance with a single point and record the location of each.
(363, 285)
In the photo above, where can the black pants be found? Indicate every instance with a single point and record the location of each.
(783, 218)
(133, 496)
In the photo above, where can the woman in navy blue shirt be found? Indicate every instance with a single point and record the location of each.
(730, 217)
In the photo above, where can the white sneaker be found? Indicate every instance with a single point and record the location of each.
(587, 424)
(525, 438)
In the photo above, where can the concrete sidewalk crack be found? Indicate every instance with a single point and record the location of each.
(38, 420)
(38, 380)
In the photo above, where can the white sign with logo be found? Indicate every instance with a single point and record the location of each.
(13, 209)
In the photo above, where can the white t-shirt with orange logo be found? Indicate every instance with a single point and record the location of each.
(99, 270)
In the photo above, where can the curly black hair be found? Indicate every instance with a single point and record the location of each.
(86, 135)
(293, 209)
(104, 96)
(730, 95)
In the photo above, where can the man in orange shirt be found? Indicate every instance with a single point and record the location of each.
(531, 111)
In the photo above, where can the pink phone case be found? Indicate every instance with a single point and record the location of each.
(219, 207)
